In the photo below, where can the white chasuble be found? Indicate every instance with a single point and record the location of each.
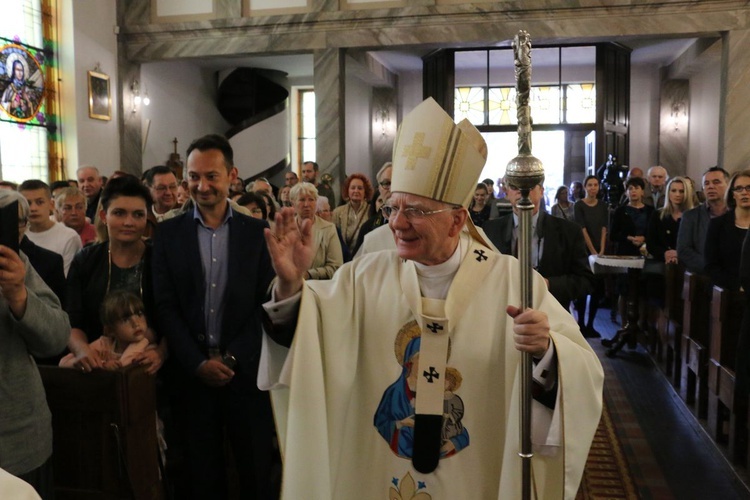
(346, 392)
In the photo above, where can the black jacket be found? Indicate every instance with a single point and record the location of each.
(564, 261)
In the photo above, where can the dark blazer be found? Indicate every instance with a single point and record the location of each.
(47, 264)
(724, 250)
(564, 261)
(179, 292)
(87, 285)
(622, 226)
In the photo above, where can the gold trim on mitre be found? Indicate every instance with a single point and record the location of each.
(435, 158)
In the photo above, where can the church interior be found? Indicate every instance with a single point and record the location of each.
(129, 84)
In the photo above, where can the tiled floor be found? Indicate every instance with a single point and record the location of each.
(668, 450)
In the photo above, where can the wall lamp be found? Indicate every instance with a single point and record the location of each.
(135, 89)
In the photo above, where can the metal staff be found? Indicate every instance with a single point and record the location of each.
(524, 172)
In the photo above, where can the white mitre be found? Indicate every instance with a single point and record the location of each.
(435, 158)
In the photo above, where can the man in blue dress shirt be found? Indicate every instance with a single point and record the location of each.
(211, 274)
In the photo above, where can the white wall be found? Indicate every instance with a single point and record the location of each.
(703, 134)
(644, 116)
(85, 42)
(262, 146)
(183, 105)
(357, 134)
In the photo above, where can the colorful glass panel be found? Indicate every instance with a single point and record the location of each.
(580, 103)
(469, 104)
(22, 78)
(502, 106)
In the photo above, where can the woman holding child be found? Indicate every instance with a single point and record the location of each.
(123, 262)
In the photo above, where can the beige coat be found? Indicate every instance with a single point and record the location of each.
(328, 254)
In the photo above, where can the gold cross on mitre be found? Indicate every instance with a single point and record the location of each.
(416, 151)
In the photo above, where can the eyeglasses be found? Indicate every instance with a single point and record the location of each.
(385, 184)
(256, 211)
(163, 189)
(739, 189)
(411, 213)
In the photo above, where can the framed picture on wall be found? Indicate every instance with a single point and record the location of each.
(100, 103)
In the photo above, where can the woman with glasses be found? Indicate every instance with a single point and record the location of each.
(328, 255)
(255, 203)
(350, 218)
(122, 262)
(727, 232)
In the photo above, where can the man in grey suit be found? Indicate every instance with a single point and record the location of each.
(691, 238)
(558, 248)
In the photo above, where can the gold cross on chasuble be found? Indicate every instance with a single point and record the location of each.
(416, 151)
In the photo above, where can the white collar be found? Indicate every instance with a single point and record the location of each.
(446, 268)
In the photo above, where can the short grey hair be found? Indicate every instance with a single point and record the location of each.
(319, 203)
(7, 197)
(66, 193)
(385, 166)
(302, 188)
(78, 170)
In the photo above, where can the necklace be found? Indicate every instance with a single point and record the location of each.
(137, 273)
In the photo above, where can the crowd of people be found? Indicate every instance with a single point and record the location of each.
(181, 276)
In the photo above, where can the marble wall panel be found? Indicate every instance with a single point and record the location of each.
(329, 83)
(673, 126)
(130, 123)
(734, 146)
(407, 27)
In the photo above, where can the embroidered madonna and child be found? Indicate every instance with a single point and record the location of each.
(394, 417)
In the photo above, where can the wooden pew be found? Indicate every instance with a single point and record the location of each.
(696, 293)
(104, 428)
(670, 324)
(727, 414)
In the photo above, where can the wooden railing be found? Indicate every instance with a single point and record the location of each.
(104, 427)
(699, 330)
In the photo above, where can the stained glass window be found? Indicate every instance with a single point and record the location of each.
(502, 104)
(29, 144)
(470, 104)
(547, 104)
(580, 103)
(21, 83)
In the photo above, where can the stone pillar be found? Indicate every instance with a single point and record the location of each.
(329, 81)
(673, 126)
(734, 148)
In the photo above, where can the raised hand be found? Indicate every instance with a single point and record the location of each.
(292, 252)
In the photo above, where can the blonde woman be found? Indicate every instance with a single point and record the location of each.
(665, 222)
(328, 255)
